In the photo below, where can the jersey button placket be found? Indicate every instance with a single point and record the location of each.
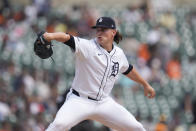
(105, 77)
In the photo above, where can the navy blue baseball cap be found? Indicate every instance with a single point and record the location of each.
(105, 22)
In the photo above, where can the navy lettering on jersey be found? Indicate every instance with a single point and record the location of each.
(115, 69)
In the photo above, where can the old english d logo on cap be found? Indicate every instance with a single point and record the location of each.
(100, 20)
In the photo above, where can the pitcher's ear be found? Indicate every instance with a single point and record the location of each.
(114, 32)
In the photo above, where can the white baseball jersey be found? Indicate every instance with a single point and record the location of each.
(96, 72)
(97, 69)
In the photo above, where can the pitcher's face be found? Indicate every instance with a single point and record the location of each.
(105, 35)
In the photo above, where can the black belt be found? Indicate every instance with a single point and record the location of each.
(77, 94)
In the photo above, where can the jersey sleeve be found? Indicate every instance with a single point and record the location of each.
(71, 43)
(80, 46)
(126, 67)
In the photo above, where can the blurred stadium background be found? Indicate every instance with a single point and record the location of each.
(159, 40)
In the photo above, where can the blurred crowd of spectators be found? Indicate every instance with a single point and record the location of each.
(28, 96)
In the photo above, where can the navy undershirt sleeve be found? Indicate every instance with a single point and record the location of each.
(71, 43)
(128, 70)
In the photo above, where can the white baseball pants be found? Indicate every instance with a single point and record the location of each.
(108, 112)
